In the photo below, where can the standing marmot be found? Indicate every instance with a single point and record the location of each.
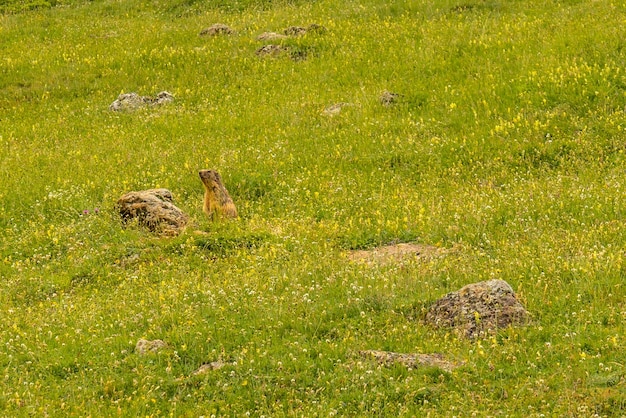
(217, 201)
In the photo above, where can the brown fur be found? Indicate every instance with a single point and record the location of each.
(217, 201)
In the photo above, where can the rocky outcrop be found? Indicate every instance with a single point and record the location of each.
(478, 308)
(152, 209)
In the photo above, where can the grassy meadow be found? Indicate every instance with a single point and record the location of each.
(506, 147)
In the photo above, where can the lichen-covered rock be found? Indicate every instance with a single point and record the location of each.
(144, 346)
(152, 209)
(217, 29)
(478, 308)
(133, 101)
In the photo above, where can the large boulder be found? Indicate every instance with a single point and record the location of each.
(478, 308)
(152, 209)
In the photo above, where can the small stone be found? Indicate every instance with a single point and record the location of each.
(478, 308)
(152, 209)
(217, 29)
(144, 347)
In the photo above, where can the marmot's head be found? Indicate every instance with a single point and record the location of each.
(210, 177)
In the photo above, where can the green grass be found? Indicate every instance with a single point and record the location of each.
(507, 144)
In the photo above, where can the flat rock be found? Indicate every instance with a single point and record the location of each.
(412, 361)
(478, 308)
(133, 101)
(144, 346)
(152, 209)
(217, 29)
(394, 253)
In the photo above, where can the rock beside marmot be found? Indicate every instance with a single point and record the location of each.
(152, 209)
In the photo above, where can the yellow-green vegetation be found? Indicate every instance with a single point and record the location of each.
(506, 144)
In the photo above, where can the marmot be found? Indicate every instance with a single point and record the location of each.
(217, 201)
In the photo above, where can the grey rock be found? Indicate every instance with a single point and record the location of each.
(478, 308)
